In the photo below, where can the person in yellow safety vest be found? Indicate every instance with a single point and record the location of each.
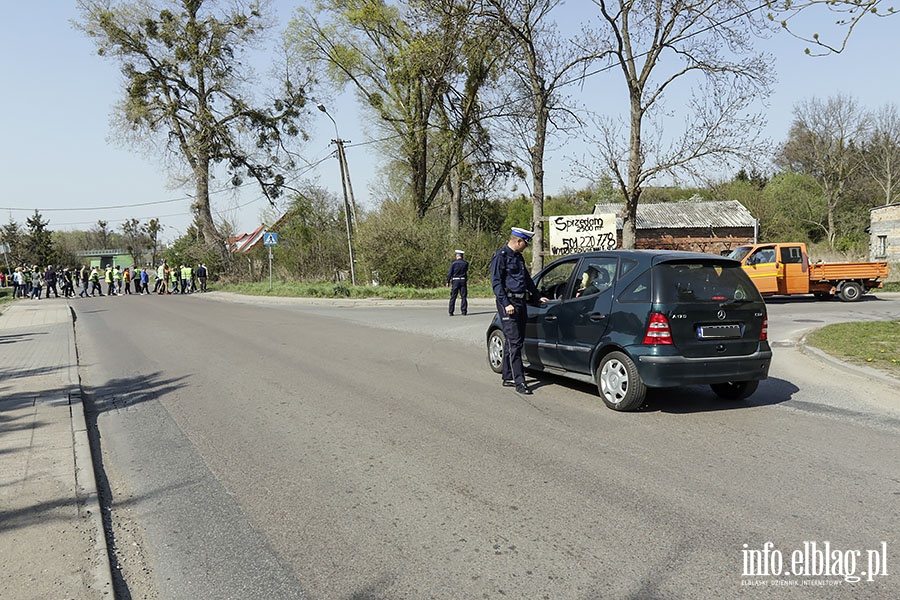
(117, 279)
(173, 274)
(185, 279)
(95, 281)
(110, 286)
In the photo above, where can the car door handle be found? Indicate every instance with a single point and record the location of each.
(597, 317)
(550, 318)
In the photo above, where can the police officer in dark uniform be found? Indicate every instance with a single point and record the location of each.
(456, 279)
(512, 284)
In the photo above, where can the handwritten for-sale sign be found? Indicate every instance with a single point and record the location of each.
(582, 233)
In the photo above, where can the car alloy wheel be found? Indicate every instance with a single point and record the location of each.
(495, 350)
(619, 383)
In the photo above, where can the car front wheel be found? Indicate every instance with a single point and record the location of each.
(735, 390)
(495, 350)
(619, 383)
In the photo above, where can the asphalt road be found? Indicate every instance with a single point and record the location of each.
(360, 451)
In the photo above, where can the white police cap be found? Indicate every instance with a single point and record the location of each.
(460, 252)
(523, 233)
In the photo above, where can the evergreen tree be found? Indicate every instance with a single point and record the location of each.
(39, 241)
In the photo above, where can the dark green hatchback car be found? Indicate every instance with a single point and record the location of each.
(628, 320)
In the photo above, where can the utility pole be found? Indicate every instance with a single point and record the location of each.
(345, 180)
(343, 159)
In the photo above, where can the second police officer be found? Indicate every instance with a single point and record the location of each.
(457, 279)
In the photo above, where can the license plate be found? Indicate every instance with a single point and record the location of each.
(718, 332)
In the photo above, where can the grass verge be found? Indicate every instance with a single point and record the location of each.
(875, 344)
(340, 290)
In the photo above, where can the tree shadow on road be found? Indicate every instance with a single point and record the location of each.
(117, 394)
(19, 373)
(19, 337)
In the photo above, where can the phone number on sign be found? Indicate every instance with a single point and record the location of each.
(586, 243)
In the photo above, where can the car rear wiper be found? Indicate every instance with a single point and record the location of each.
(734, 302)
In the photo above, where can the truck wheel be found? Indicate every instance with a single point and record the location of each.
(851, 292)
(619, 383)
(735, 390)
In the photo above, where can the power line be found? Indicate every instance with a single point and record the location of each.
(311, 166)
(300, 174)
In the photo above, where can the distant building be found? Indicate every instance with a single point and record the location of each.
(105, 257)
(884, 233)
(246, 242)
(713, 227)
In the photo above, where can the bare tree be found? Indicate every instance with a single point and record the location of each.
(152, 229)
(102, 234)
(847, 13)
(825, 142)
(707, 47)
(541, 62)
(135, 239)
(882, 151)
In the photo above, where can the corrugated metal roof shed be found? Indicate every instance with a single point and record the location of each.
(684, 215)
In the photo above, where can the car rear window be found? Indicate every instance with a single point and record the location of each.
(701, 282)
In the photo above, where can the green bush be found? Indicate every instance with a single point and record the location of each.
(402, 249)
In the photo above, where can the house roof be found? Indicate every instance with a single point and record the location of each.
(684, 215)
(245, 242)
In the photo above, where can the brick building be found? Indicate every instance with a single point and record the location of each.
(713, 227)
(884, 233)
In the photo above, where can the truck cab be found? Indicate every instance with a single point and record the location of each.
(776, 269)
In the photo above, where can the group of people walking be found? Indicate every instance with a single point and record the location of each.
(35, 281)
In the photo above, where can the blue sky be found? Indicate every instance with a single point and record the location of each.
(58, 153)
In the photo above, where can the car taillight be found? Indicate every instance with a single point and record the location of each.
(764, 332)
(658, 331)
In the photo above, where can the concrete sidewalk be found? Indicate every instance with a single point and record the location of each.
(52, 543)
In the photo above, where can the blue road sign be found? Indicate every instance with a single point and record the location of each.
(270, 239)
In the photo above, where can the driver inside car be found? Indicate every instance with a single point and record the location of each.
(593, 281)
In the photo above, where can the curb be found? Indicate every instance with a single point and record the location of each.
(871, 372)
(341, 302)
(86, 479)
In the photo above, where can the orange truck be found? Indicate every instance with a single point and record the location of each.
(785, 270)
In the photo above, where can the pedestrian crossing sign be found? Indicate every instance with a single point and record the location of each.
(270, 239)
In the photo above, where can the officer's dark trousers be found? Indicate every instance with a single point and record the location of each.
(514, 331)
(459, 288)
